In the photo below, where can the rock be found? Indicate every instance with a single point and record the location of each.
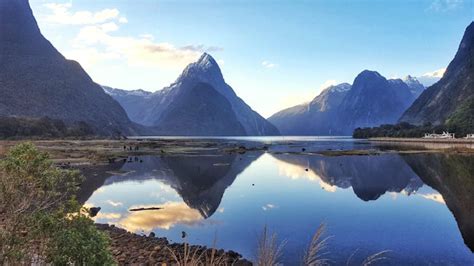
(93, 211)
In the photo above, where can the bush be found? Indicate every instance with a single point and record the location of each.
(40, 221)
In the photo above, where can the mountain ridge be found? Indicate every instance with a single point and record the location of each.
(442, 99)
(37, 81)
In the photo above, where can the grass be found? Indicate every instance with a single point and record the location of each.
(316, 251)
(196, 256)
(270, 251)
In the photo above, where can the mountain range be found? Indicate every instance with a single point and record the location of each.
(372, 100)
(37, 81)
(199, 102)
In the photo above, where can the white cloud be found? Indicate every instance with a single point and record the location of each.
(268, 206)
(99, 40)
(123, 20)
(113, 203)
(267, 64)
(435, 74)
(328, 83)
(445, 5)
(61, 14)
(430, 78)
(138, 51)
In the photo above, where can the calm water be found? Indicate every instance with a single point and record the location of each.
(417, 206)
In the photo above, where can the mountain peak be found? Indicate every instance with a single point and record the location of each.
(343, 87)
(206, 59)
(20, 34)
(205, 68)
(369, 74)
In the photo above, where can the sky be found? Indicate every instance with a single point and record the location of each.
(274, 53)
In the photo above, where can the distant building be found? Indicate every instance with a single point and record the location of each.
(445, 135)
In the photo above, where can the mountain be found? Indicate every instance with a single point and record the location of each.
(135, 102)
(453, 177)
(369, 176)
(373, 100)
(452, 92)
(315, 117)
(155, 109)
(200, 180)
(37, 81)
(200, 111)
(416, 88)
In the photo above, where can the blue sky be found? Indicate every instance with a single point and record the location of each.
(274, 54)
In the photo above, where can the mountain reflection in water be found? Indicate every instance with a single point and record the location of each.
(191, 189)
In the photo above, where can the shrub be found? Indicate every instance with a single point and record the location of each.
(40, 221)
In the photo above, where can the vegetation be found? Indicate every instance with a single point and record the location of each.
(459, 126)
(40, 221)
(462, 120)
(20, 127)
(269, 251)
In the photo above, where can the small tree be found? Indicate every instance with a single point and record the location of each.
(40, 221)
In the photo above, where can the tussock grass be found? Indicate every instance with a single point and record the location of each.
(269, 249)
(316, 250)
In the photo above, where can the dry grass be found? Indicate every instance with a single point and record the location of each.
(188, 257)
(315, 253)
(370, 260)
(194, 256)
(269, 249)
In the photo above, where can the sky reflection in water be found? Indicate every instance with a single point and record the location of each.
(369, 203)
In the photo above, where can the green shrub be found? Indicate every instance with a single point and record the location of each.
(40, 221)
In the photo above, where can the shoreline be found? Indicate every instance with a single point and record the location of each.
(422, 140)
(129, 248)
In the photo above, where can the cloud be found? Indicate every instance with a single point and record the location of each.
(434, 197)
(107, 216)
(99, 40)
(435, 74)
(268, 206)
(430, 78)
(445, 5)
(61, 14)
(113, 203)
(172, 213)
(123, 20)
(202, 48)
(328, 83)
(295, 172)
(267, 64)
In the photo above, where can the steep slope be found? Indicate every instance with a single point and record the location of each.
(372, 101)
(37, 81)
(437, 103)
(200, 111)
(205, 70)
(315, 117)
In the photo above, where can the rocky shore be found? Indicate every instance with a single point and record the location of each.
(133, 249)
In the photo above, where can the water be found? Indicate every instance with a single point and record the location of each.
(418, 206)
